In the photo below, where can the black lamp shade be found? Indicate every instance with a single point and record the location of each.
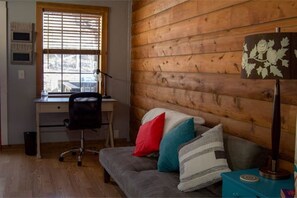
(270, 56)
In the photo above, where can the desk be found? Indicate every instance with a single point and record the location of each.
(60, 105)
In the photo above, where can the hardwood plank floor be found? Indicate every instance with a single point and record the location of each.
(26, 176)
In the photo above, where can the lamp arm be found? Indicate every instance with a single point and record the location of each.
(105, 74)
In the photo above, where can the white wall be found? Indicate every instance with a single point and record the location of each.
(3, 72)
(21, 92)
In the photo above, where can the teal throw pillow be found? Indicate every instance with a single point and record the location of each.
(168, 158)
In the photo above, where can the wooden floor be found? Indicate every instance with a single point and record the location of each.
(26, 176)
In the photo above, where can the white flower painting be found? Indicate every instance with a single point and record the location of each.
(265, 58)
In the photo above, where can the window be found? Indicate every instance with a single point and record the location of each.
(70, 45)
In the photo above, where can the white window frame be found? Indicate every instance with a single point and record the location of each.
(60, 7)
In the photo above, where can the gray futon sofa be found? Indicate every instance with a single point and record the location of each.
(139, 177)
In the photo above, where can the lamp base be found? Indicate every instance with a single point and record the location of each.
(106, 97)
(279, 174)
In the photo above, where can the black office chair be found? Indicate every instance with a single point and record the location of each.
(84, 113)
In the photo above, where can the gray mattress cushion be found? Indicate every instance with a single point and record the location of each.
(121, 159)
(118, 160)
(139, 177)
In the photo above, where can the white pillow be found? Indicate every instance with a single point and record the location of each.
(202, 160)
(172, 118)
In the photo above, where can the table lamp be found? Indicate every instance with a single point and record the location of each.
(97, 72)
(271, 56)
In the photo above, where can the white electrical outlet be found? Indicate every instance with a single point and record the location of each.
(21, 74)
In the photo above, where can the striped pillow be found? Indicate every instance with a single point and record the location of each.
(202, 160)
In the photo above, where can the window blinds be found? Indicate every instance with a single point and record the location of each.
(69, 33)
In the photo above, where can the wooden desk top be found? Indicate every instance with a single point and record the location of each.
(64, 99)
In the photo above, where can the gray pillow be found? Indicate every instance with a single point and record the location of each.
(244, 154)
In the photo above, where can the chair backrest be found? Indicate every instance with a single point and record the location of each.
(85, 110)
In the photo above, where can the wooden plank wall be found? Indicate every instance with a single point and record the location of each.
(186, 55)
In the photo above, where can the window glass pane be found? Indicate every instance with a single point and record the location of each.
(89, 63)
(52, 63)
(71, 63)
(71, 83)
(52, 82)
(88, 83)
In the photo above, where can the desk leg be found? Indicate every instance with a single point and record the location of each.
(110, 126)
(38, 131)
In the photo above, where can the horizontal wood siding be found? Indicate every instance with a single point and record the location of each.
(186, 55)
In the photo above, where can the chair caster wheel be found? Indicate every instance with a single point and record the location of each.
(61, 159)
(79, 163)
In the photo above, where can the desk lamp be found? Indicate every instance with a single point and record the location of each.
(97, 72)
(271, 56)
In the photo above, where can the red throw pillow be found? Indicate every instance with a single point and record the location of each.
(149, 136)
